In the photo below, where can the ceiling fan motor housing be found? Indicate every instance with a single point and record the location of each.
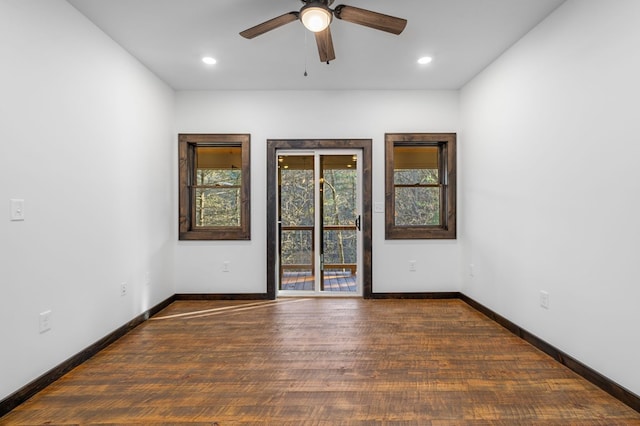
(325, 2)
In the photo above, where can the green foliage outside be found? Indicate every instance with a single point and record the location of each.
(217, 197)
(297, 209)
(417, 204)
(340, 208)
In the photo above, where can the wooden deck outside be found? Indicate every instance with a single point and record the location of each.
(334, 281)
(322, 361)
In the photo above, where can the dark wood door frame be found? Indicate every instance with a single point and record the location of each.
(312, 144)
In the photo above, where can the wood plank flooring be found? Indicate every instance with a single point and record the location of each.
(322, 362)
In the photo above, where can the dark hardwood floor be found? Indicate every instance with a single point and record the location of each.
(322, 362)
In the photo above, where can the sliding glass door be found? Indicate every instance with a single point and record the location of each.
(319, 220)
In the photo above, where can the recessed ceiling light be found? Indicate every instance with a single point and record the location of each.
(425, 60)
(209, 60)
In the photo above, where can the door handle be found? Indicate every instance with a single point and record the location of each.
(358, 222)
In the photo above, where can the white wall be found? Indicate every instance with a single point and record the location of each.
(86, 139)
(315, 115)
(551, 184)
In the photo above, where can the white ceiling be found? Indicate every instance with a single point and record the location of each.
(171, 36)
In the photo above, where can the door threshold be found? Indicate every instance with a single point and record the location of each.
(317, 295)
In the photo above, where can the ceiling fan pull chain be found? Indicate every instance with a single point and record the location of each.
(305, 53)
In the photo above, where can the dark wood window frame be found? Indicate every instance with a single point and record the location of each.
(187, 144)
(446, 142)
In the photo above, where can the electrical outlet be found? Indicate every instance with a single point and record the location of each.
(471, 270)
(147, 278)
(412, 265)
(44, 321)
(544, 299)
(225, 266)
(123, 289)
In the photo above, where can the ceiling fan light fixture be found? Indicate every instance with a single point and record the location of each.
(316, 16)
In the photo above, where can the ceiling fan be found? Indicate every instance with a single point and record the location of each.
(316, 16)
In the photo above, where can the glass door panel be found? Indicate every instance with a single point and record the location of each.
(339, 214)
(296, 185)
(318, 246)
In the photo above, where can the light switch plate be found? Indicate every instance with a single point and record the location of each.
(17, 209)
(544, 299)
(378, 207)
(44, 320)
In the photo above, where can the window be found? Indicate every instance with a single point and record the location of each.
(420, 186)
(214, 187)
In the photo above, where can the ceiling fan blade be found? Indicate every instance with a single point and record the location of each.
(269, 25)
(370, 19)
(325, 45)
